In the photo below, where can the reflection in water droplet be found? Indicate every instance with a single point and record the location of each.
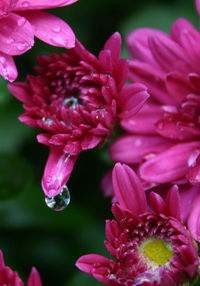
(48, 121)
(59, 202)
(71, 102)
(21, 21)
(10, 40)
(2, 60)
(21, 46)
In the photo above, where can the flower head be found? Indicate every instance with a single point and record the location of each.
(164, 136)
(77, 99)
(20, 21)
(151, 247)
(10, 278)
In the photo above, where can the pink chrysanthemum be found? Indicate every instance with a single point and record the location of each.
(11, 278)
(164, 136)
(20, 21)
(77, 99)
(150, 247)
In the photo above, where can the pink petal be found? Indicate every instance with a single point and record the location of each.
(8, 68)
(21, 91)
(128, 189)
(2, 263)
(90, 264)
(178, 86)
(194, 171)
(16, 35)
(197, 3)
(114, 45)
(151, 77)
(57, 171)
(173, 203)
(157, 203)
(34, 278)
(194, 219)
(143, 122)
(132, 149)
(131, 99)
(139, 46)
(41, 4)
(167, 53)
(51, 29)
(90, 141)
(170, 165)
(106, 185)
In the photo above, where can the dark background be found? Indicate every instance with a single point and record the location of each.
(30, 233)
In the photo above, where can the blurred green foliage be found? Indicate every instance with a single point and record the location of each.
(30, 233)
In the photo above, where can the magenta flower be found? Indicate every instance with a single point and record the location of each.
(150, 247)
(20, 21)
(164, 136)
(77, 99)
(10, 278)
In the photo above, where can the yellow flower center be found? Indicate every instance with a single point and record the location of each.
(156, 252)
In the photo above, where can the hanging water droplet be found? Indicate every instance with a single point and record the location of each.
(56, 29)
(59, 202)
(21, 46)
(47, 121)
(25, 4)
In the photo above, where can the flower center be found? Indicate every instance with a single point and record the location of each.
(156, 252)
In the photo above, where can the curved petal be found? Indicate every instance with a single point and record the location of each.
(113, 44)
(128, 189)
(194, 171)
(173, 203)
(51, 29)
(21, 91)
(157, 203)
(34, 278)
(57, 171)
(169, 165)
(16, 35)
(194, 219)
(197, 3)
(131, 99)
(8, 68)
(41, 4)
(131, 149)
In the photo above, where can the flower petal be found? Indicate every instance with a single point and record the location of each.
(143, 122)
(51, 29)
(173, 203)
(194, 219)
(131, 99)
(41, 4)
(16, 35)
(169, 165)
(194, 171)
(114, 45)
(57, 171)
(157, 203)
(21, 91)
(132, 149)
(8, 68)
(34, 278)
(128, 189)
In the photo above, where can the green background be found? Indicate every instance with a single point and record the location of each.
(30, 233)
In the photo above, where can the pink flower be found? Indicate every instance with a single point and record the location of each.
(150, 247)
(20, 21)
(164, 136)
(77, 99)
(10, 278)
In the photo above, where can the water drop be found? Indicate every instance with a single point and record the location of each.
(21, 46)
(25, 4)
(10, 40)
(2, 60)
(56, 29)
(71, 102)
(59, 202)
(21, 21)
(47, 121)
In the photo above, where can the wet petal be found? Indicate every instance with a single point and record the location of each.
(194, 171)
(8, 68)
(169, 165)
(131, 99)
(57, 171)
(132, 149)
(194, 219)
(128, 189)
(16, 35)
(51, 29)
(41, 4)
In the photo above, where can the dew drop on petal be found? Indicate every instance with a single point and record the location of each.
(25, 4)
(59, 202)
(21, 21)
(56, 29)
(2, 60)
(21, 46)
(10, 40)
